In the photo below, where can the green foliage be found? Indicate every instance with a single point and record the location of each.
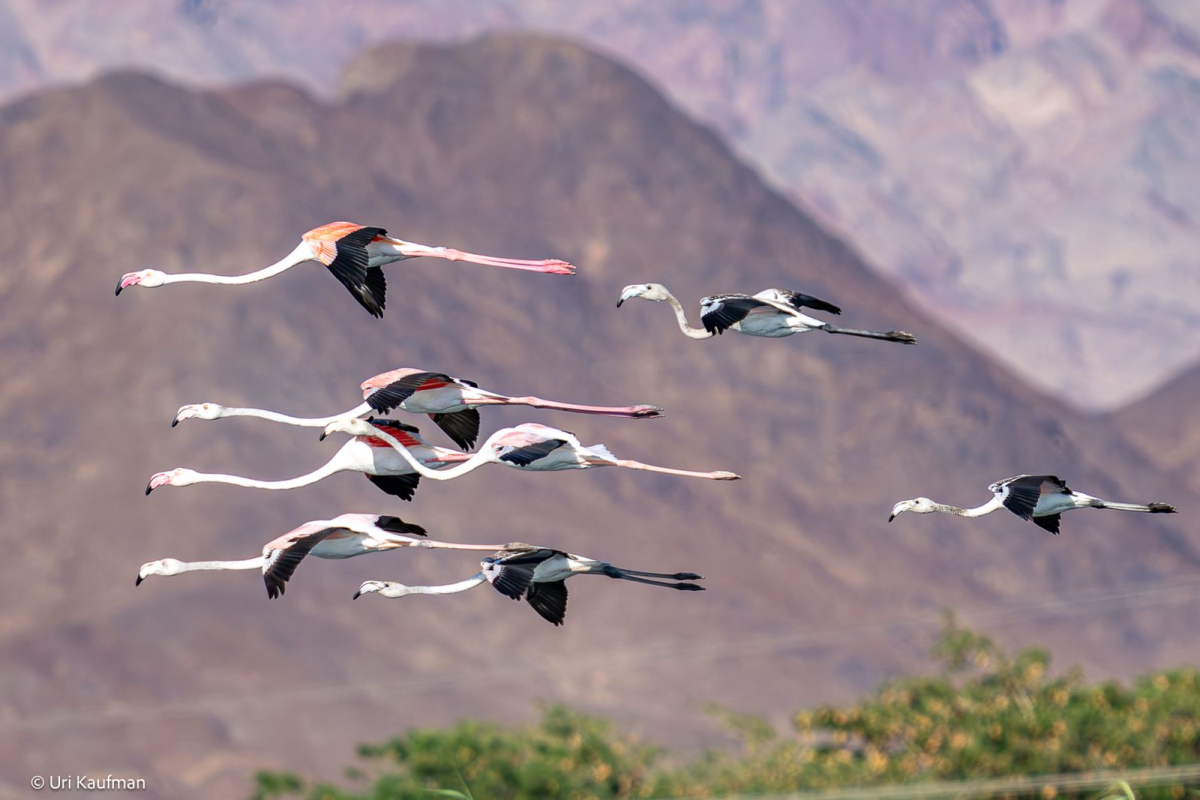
(567, 755)
(986, 714)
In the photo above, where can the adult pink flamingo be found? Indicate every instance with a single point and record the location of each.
(355, 255)
(383, 465)
(531, 447)
(539, 575)
(450, 402)
(344, 536)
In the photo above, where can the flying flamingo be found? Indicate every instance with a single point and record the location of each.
(539, 575)
(383, 465)
(1038, 498)
(450, 402)
(532, 447)
(345, 536)
(355, 255)
(773, 313)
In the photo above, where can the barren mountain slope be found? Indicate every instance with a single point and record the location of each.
(1166, 427)
(515, 146)
(1023, 168)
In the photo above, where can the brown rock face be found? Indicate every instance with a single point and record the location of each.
(1166, 427)
(1024, 169)
(514, 146)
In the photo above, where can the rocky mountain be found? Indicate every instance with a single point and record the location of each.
(519, 146)
(1166, 427)
(1021, 167)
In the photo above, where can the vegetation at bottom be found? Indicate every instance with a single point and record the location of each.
(985, 713)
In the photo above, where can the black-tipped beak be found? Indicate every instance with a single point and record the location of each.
(149, 489)
(357, 595)
(174, 422)
(622, 300)
(891, 517)
(321, 438)
(138, 582)
(119, 288)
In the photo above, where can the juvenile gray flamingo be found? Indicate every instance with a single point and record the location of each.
(1037, 498)
(538, 574)
(773, 313)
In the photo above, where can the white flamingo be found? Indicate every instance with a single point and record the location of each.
(372, 455)
(345, 536)
(773, 313)
(355, 255)
(531, 447)
(450, 402)
(538, 574)
(1038, 498)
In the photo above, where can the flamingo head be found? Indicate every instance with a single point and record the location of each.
(351, 425)
(175, 477)
(146, 277)
(647, 291)
(385, 588)
(919, 505)
(164, 566)
(198, 411)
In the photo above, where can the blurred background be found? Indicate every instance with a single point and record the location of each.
(1011, 180)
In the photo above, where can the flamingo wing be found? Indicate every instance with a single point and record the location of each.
(1049, 523)
(799, 300)
(280, 562)
(512, 574)
(397, 525)
(402, 486)
(406, 434)
(385, 398)
(351, 265)
(721, 311)
(1021, 494)
(461, 426)
(524, 456)
(549, 600)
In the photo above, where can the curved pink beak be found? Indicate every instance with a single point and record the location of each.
(128, 279)
(156, 480)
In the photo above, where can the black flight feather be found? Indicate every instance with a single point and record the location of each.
(386, 398)
(460, 426)
(402, 486)
(549, 600)
(350, 267)
(397, 525)
(284, 562)
(524, 456)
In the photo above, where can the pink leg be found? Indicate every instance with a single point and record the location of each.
(636, 412)
(455, 546)
(551, 265)
(712, 476)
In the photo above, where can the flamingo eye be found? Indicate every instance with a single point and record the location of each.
(206, 406)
